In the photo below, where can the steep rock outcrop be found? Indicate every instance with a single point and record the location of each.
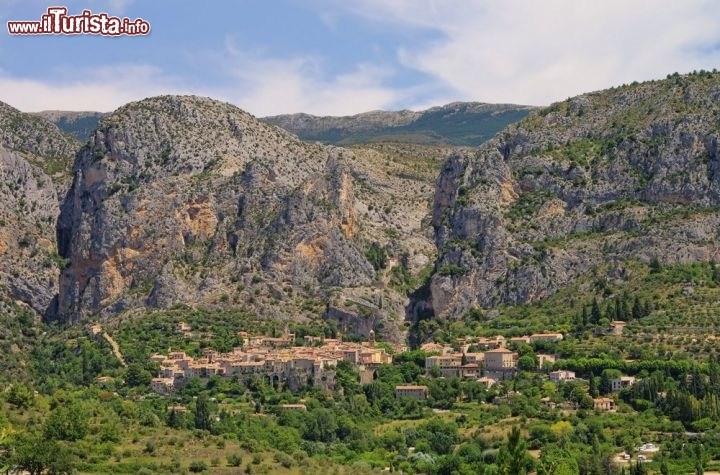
(187, 199)
(29, 206)
(628, 173)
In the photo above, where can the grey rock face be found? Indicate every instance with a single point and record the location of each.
(29, 206)
(183, 198)
(629, 173)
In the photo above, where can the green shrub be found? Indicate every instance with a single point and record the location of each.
(197, 466)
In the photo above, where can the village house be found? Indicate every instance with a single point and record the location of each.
(546, 337)
(548, 403)
(103, 381)
(470, 371)
(487, 382)
(561, 375)
(604, 404)
(434, 348)
(520, 340)
(416, 392)
(500, 363)
(449, 365)
(162, 385)
(618, 384)
(183, 328)
(474, 358)
(489, 343)
(293, 407)
(537, 337)
(545, 359)
(617, 327)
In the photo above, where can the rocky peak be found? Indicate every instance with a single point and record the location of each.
(31, 134)
(187, 199)
(33, 157)
(627, 173)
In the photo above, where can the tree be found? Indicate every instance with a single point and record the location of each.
(557, 461)
(595, 315)
(527, 363)
(202, 413)
(638, 469)
(20, 396)
(377, 256)
(67, 423)
(606, 379)
(514, 455)
(234, 460)
(637, 309)
(35, 455)
(715, 271)
(175, 419)
(137, 375)
(655, 265)
(699, 459)
(561, 429)
(593, 389)
(322, 425)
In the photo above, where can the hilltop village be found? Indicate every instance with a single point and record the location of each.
(284, 364)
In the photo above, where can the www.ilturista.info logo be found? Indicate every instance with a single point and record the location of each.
(58, 22)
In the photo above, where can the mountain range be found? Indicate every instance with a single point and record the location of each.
(184, 200)
(458, 123)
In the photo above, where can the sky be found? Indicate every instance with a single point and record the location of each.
(342, 57)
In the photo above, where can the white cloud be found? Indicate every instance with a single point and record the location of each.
(521, 51)
(532, 52)
(268, 86)
(99, 89)
(259, 85)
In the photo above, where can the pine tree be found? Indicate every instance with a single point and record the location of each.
(655, 266)
(593, 389)
(637, 309)
(595, 312)
(514, 454)
(715, 272)
(202, 413)
(610, 311)
(174, 419)
(699, 462)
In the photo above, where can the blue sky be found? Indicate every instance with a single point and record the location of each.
(343, 57)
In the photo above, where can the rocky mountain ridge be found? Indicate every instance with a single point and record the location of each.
(628, 173)
(33, 153)
(190, 200)
(79, 124)
(458, 123)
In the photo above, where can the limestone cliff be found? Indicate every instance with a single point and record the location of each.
(190, 200)
(631, 172)
(29, 206)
